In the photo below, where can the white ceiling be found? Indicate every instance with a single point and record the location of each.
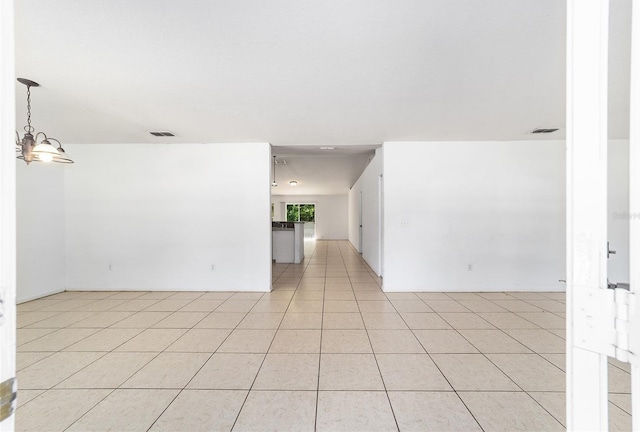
(291, 72)
(319, 172)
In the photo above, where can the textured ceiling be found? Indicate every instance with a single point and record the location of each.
(302, 73)
(292, 72)
(319, 172)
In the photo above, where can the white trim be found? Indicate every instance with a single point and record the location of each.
(7, 199)
(39, 296)
(587, 82)
(159, 289)
(453, 289)
(380, 225)
(634, 212)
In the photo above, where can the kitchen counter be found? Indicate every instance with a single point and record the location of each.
(288, 242)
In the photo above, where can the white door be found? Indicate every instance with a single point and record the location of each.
(7, 220)
(601, 322)
(360, 223)
(634, 213)
(381, 224)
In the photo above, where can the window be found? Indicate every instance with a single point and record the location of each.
(303, 212)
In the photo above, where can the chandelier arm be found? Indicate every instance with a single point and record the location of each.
(59, 143)
(38, 134)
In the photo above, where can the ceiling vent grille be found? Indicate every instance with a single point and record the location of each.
(162, 134)
(541, 131)
(281, 162)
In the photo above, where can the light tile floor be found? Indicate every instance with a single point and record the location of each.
(327, 350)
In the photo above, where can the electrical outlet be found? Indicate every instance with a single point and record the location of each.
(470, 268)
(213, 267)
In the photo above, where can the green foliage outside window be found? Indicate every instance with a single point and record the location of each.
(293, 212)
(301, 212)
(307, 213)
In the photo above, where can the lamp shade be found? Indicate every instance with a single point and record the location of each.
(45, 152)
(62, 157)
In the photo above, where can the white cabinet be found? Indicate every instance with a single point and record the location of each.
(288, 242)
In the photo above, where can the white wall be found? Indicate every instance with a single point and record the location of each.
(354, 216)
(369, 185)
(40, 234)
(331, 213)
(497, 208)
(618, 202)
(8, 207)
(157, 217)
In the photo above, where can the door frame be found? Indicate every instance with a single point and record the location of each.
(360, 221)
(381, 224)
(634, 208)
(7, 203)
(587, 143)
(600, 322)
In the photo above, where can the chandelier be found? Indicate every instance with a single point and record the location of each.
(29, 149)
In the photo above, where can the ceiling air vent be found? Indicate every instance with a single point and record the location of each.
(281, 162)
(540, 131)
(163, 134)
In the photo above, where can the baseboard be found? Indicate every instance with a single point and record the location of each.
(478, 290)
(127, 289)
(36, 297)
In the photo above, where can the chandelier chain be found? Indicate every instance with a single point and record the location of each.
(28, 128)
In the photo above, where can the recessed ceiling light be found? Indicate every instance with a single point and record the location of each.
(293, 183)
(327, 148)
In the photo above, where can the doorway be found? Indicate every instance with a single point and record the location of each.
(360, 222)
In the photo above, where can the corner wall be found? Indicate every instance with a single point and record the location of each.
(369, 186)
(474, 216)
(157, 217)
(40, 230)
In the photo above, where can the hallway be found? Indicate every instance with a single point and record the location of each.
(327, 350)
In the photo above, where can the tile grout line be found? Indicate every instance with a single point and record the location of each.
(500, 369)
(495, 365)
(265, 354)
(261, 363)
(185, 352)
(120, 387)
(324, 291)
(434, 362)
(327, 264)
(375, 357)
(68, 326)
(89, 410)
